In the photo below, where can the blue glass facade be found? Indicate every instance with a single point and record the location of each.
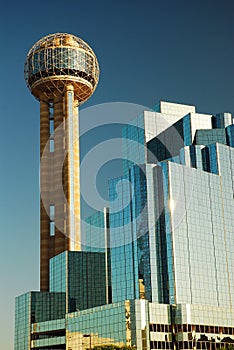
(146, 127)
(119, 323)
(209, 136)
(167, 144)
(97, 239)
(230, 135)
(135, 237)
(222, 120)
(82, 276)
(34, 307)
(172, 213)
(96, 232)
(164, 248)
(121, 241)
(196, 203)
(133, 137)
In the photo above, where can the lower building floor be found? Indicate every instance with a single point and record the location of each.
(137, 323)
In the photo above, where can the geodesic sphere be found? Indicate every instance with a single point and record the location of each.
(58, 60)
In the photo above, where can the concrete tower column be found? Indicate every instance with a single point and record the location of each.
(71, 167)
(60, 179)
(59, 194)
(45, 185)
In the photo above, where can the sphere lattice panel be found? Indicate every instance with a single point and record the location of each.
(58, 60)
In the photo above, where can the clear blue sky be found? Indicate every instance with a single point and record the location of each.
(176, 50)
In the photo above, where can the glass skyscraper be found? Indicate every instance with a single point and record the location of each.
(157, 268)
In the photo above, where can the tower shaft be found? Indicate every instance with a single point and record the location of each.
(59, 179)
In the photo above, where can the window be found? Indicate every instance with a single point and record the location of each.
(52, 229)
(52, 145)
(51, 132)
(52, 225)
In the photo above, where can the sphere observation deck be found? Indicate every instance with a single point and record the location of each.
(58, 60)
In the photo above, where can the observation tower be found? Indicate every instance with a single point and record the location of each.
(61, 71)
